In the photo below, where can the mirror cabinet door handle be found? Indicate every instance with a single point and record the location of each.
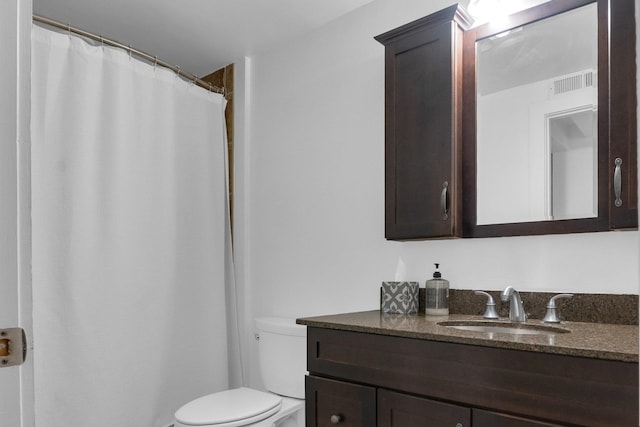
(443, 201)
(617, 181)
(336, 419)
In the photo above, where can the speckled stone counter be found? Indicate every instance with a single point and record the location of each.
(592, 340)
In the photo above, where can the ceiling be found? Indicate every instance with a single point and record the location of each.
(200, 36)
(546, 49)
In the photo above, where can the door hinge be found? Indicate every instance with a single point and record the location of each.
(13, 347)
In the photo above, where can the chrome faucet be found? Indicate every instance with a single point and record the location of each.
(551, 316)
(490, 312)
(516, 309)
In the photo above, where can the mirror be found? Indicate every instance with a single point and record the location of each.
(549, 121)
(537, 127)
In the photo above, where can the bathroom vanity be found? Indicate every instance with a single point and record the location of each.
(373, 369)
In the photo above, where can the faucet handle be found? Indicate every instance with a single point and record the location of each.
(551, 316)
(490, 312)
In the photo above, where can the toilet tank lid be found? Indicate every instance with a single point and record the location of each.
(280, 325)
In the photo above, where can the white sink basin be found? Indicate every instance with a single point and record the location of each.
(504, 328)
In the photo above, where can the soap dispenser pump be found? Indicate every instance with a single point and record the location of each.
(437, 295)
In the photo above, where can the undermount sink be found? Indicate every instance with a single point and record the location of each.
(504, 328)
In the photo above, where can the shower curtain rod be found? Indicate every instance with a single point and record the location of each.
(153, 59)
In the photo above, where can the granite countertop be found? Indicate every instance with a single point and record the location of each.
(592, 340)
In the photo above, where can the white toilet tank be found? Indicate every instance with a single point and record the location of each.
(282, 353)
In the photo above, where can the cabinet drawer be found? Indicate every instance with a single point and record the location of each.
(572, 390)
(331, 403)
(401, 410)
(492, 419)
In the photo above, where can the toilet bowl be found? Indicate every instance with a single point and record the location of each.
(282, 357)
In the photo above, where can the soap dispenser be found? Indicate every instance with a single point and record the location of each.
(437, 295)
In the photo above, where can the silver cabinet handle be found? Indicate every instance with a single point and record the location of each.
(335, 419)
(617, 181)
(443, 201)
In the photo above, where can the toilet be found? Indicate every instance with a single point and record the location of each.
(282, 357)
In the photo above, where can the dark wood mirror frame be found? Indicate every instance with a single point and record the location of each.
(616, 120)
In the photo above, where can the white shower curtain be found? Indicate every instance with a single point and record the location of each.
(129, 208)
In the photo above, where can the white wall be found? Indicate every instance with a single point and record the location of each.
(312, 205)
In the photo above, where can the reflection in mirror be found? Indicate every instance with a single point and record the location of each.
(573, 150)
(537, 121)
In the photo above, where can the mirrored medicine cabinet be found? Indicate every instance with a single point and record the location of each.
(549, 121)
(519, 128)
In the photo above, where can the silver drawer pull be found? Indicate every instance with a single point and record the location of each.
(335, 419)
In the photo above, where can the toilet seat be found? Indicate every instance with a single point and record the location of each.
(231, 408)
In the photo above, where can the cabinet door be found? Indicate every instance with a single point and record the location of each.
(402, 410)
(493, 419)
(623, 147)
(617, 179)
(330, 403)
(423, 127)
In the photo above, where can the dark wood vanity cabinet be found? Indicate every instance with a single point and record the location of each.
(402, 410)
(423, 178)
(331, 402)
(493, 419)
(370, 380)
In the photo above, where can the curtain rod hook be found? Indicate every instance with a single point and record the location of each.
(155, 62)
(69, 29)
(177, 71)
(130, 51)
